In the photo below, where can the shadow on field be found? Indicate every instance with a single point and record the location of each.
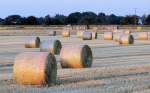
(121, 56)
(76, 79)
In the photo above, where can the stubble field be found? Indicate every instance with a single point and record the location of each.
(115, 69)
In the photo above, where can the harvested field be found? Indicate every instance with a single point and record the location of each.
(115, 69)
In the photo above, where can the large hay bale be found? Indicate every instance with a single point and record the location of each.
(108, 35)
(52, 46)
(87, 36)
(35, 68)
(94, 35)
(126, 39)
(32, 42)
(76, 56)
(142, 36)
(52, 33)
(80, 34)
(66, 33)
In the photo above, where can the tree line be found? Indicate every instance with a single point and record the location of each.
(77, 18)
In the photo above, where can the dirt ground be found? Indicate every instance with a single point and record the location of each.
(116, 69)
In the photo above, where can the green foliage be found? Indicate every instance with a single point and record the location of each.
(130, 20)
(47, 20)
(31, 20)
(147, 21)
(13, 20)
(88, 18)
(76, 18)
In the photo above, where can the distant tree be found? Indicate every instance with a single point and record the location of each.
(59, 20)
(47, 20)
(113, 20)
(31, 20)
(13, 20)
(101, 19)
(40, 21)
(23, 21)
(74, 18)
(2, 21)
(120, 18)
(143, 19)
(88, 18)
(147, 21)
(130, 20)
(77, 18)
(136, 19)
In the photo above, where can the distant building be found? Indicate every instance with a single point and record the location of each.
(140, 21)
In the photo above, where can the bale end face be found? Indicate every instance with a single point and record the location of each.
(87, 56)
(52, 46)
(108, 35)
(87, 36)
(35, 68)
(32, 42)
(76, 57)
(80, 34)
(142, 36)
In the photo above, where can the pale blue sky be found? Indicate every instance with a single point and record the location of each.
(52, 7)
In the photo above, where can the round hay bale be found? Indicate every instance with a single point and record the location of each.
(52, 46)
(35, 68)
(94, 35)
(108, 35)
(126, 39)
(32, 42)
(80, 34)
(87, 36)
(66, 33)
(52, 33)
(142, 36)
(116, 36)
(76, 57)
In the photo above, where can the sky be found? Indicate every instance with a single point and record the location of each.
(43, 7)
